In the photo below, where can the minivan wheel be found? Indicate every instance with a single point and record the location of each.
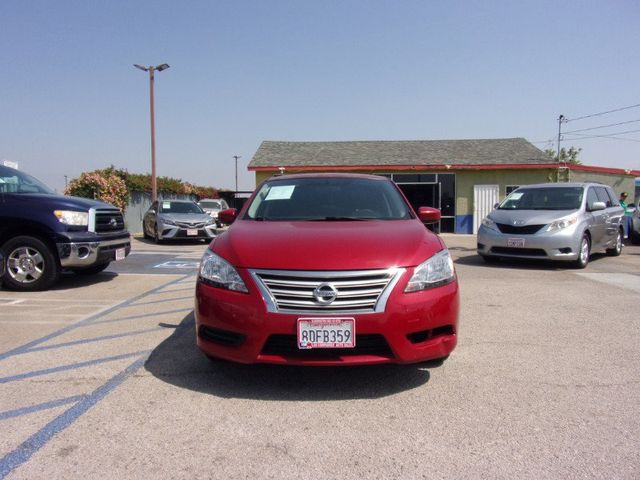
(584, 252)
(31, 264)
(617, 248)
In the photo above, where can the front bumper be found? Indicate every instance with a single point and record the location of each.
(414, 327)
(85, 253)
(176, 232)
(558, 245)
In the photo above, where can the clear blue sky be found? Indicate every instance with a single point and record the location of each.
(247, 71)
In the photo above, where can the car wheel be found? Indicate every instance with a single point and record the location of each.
(145, 235)
(30, 264)
(92, 270)
(156, 236)
(584, 252)
(617, 249)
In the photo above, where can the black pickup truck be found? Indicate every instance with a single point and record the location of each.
(43, 233)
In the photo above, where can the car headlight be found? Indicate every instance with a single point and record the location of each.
(435, 272)
(560, 224)
(210, 221)
(216, 271)
(166, 221)
(490, 224)
(70, 217)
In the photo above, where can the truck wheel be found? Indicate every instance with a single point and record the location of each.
(31, 264)
(92, 270)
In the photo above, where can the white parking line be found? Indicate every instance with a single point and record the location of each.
(7, 302)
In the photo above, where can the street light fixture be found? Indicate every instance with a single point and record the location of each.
(151, 69)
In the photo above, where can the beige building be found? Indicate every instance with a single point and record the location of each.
(463, 178)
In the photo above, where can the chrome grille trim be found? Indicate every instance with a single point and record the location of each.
(359, 291)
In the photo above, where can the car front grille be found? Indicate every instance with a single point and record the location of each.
(519, 252)
(190, 225)
(524, 230)
(106, 221)
(286, 346)
(360, 291)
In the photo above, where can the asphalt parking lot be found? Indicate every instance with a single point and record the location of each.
(100, 377)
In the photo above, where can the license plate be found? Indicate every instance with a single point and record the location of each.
(192, 232)
(120, 254)
(515, 242)
(326, 333)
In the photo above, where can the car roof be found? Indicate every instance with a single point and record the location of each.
(175, 200)
(295, 176)
(563, 185)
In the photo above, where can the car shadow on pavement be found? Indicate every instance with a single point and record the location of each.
(178, 361)
(522, 264)
(69, 280)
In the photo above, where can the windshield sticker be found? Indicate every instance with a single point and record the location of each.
(515, 196)
(281, 193)
(166, 205)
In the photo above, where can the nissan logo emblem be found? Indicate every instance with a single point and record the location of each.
(325, 294)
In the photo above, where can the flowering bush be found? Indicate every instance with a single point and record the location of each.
(107, 187)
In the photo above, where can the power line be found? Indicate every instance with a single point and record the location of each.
(586, 137)
(603, 126)
(612, 133)
(601, 113)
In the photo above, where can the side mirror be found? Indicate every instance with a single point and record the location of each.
(595, 206)
(228, 216)
(429, 215)
(496, 205)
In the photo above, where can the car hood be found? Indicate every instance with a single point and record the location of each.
(528, 217)
(329, 245)
(185, 217)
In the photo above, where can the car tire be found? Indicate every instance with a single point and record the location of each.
(584, 252)
(92, 270)
(156, 237)
(31, 264)
(617, 249)
(145, 235)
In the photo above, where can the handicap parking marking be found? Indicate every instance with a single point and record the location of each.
(7, 302)
(180, 264)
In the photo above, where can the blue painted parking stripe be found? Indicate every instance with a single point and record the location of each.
(40, 407)
(72, 366)
(90, 319)
(94, 339)
(144, 315)
(164, 300)
(20, 455)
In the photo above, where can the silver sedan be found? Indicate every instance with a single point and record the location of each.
(177, 220)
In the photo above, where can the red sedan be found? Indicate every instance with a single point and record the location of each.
(327, 269)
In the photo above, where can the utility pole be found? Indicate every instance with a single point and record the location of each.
(236, 157)
(561, 119)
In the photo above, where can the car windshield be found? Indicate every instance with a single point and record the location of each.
(544, 198)
(179, 207)
(14, 181)
(328, 199)
(213, 204)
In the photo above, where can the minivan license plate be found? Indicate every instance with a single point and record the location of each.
(515, 242)
(335, 332)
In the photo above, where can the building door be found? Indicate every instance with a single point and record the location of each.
(484, 198)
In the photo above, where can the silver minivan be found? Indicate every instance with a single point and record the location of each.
(553, 221)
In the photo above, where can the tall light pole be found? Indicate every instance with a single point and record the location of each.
(236, 157)
(151, 69)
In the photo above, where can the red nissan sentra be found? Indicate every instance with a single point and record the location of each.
(327, 269)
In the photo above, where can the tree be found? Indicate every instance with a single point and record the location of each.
(566, 156)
